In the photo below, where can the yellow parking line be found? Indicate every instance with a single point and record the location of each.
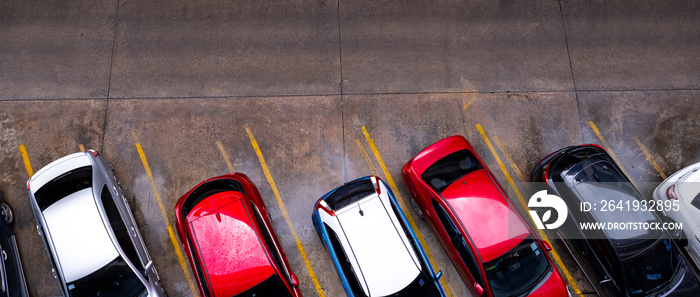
(607, 147)
(554, 253)
(366, 156)
(82, 148)
(509, 158)
(283, 209)
(650, 158)
(390, 180)
(180, 258)
(225, 155)
(25, 158)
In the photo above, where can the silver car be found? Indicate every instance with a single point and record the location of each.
(88, 230)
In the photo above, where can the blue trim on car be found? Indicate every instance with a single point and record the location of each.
(326, 241)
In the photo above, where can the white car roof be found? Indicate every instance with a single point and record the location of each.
(58, 167)
(79, 235)
(378, 248)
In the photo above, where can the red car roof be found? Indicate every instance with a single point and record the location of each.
(492, 225)
(227, 244)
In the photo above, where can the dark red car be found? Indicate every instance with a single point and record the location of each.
(493, 249)
(225, 231)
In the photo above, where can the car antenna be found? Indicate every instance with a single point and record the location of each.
(362, 213)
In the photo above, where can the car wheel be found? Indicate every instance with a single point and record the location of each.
(6, 213)
(416, 209)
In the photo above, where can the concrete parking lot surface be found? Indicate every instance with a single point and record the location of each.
(304, 95)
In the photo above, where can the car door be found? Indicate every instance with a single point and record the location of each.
(127, 235)
(458, 249)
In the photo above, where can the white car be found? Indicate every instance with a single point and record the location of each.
(372, 246)
(683, 188)
(88, 230)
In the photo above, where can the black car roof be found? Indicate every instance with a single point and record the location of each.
(588, 174)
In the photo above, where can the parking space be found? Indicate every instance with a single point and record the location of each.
(47, 130)
(306, 95)
(180, 158)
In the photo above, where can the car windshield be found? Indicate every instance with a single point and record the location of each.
(64, 185)
(422, 286)
(272, 286)
(115, 279)
(449, 169)
(517, 270)
(651, 269)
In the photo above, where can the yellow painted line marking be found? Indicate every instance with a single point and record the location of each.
(468, 92)
(409, 218)
(225, 155)
(82, 148)
(176, 246)
(283, 209)
(366, 156)
(466, 104)
(553, 252)
(509, 158)
(650, 158)
(25, 158)
(607, 147)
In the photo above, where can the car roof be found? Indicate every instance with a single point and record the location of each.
(477, 202)
(228, 246)
(81, 242)
(487, 217)
(380, 250)
(57, 168)
(599, 181)
(587, 173)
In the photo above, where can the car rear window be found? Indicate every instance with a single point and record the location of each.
(64, 185)
(115, 279)
(350, 192)
(208, 189)
(449, 169)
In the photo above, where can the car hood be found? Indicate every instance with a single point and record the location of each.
(553, 286)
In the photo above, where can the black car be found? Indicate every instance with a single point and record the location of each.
(631, 261)
(12, 278)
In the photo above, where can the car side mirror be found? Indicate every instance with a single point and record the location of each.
(547, 246)
(295, 280)
(438, 275)
(479, 290)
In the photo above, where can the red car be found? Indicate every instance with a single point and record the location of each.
(227, 236)
(493, 249)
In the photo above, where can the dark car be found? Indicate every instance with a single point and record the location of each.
(13, 283)
(617, 261)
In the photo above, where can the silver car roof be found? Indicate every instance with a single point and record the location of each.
(82, 242)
